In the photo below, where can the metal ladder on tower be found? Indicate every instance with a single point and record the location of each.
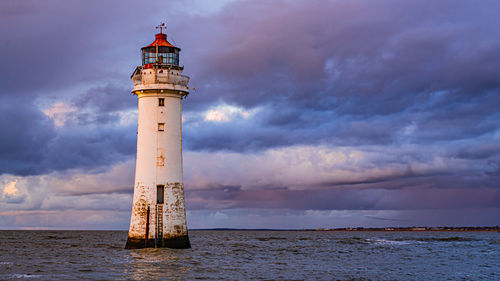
(159, 223)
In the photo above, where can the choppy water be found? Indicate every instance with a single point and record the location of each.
(254, 255)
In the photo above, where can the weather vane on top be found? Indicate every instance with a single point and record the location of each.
(161, 26)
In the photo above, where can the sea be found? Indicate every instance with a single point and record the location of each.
(253, 255)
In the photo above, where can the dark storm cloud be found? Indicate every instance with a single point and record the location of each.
(46, 46)
(104, 104)
(30, 143)
(331, 70)
(106, 99)
(26, 131)
(245, 136)
(371, 49)
(99, 147)
(50, 52)
(343, 198)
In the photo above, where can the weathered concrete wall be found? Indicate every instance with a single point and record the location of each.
(175, 212)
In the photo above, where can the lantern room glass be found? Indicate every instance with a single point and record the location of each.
(166, 56)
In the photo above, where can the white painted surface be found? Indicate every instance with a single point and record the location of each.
(152, 143)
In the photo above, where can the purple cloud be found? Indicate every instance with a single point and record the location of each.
(410, 86)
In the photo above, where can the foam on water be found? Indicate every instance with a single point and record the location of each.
(388, 242)
(23, 276)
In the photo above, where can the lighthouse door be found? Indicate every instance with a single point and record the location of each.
(160, 193)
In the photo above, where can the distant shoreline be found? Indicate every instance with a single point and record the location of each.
(344, 229)
(361, 229)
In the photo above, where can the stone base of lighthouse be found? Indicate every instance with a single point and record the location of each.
(181, 242)
(158, 223)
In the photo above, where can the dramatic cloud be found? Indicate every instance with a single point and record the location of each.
(305, 112)
(355, 71)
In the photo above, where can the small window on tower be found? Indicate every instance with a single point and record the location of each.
(161, 102)
(161, 127)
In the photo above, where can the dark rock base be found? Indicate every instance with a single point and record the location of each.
(181, 242)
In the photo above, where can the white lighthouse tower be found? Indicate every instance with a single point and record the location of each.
(158, 213)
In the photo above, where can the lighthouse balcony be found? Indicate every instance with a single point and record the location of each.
(143, 77)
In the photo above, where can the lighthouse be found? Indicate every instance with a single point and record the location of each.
(158, 213)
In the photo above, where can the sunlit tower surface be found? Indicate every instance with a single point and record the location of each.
(158, 212)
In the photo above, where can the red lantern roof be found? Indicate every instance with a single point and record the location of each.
(161, 40)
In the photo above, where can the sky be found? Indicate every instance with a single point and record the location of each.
(305, 114)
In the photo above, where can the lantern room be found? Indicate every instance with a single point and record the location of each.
(160, 69)
(160, 53)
